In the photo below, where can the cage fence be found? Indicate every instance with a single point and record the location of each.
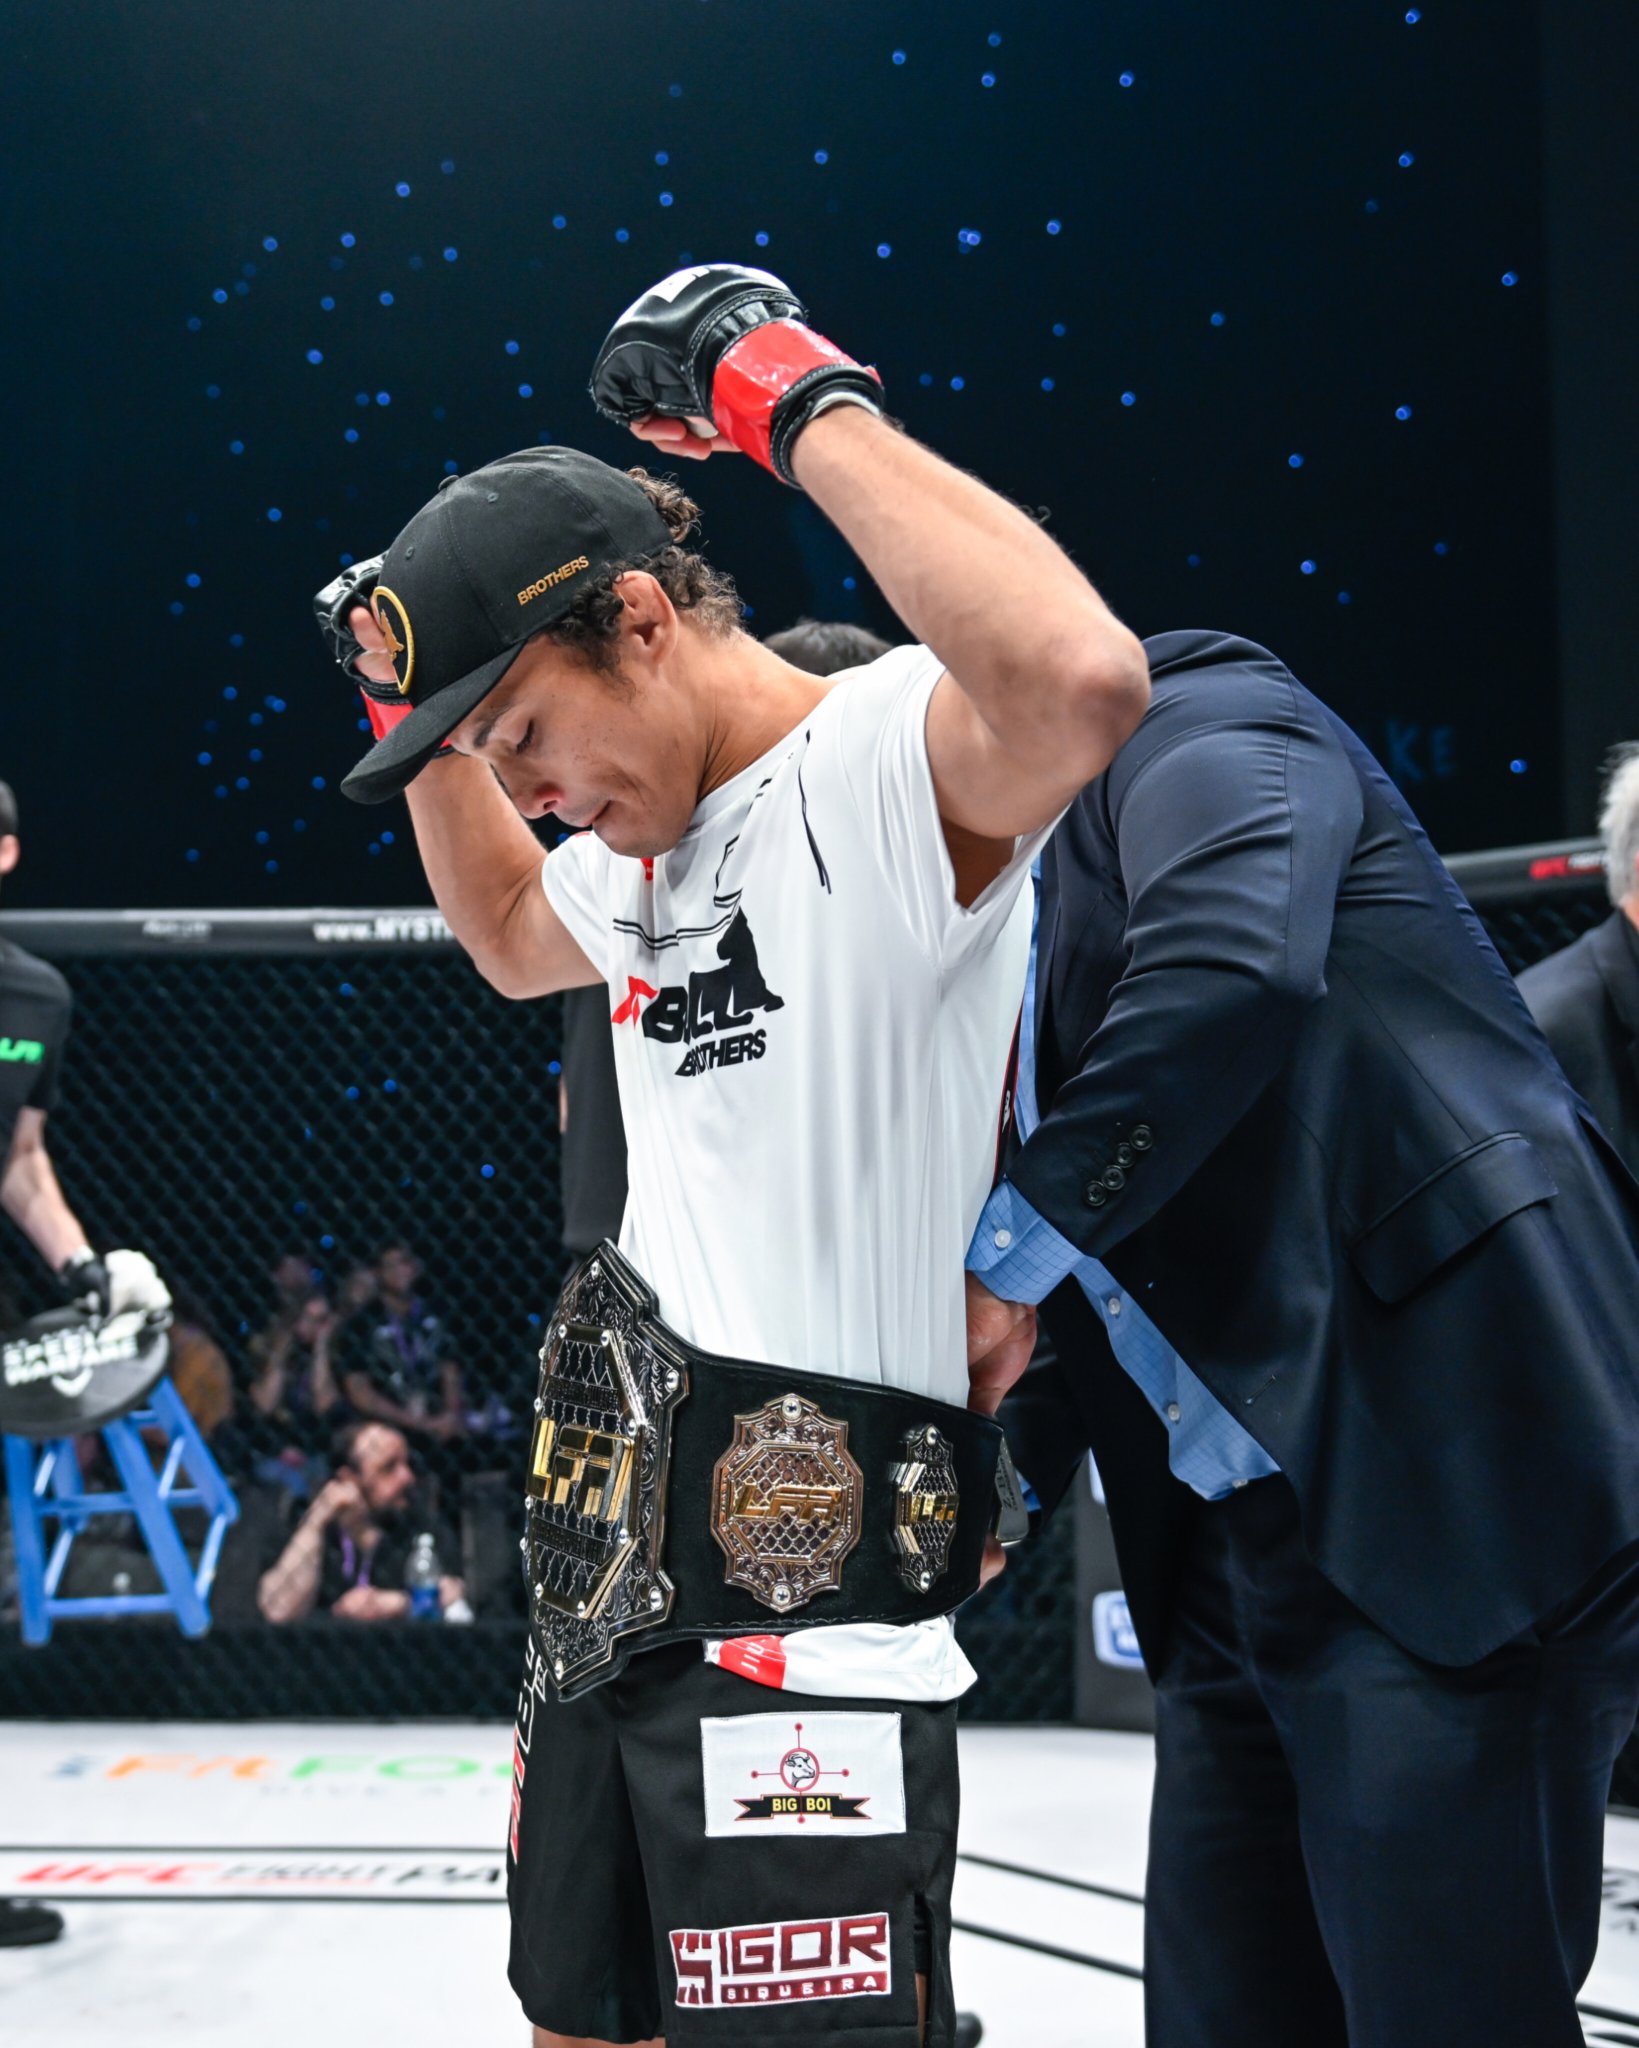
(265, 1102)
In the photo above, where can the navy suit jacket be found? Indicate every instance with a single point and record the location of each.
(1293, 1100)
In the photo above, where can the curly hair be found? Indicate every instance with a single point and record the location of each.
(591, 626)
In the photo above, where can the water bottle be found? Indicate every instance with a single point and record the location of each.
(421, 1575)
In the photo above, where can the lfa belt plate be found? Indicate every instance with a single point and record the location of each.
(596, 1488)
(786, 1500)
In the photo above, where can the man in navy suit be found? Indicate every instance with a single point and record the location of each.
(1344, 1285)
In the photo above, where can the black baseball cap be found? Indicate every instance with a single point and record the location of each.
(487, 561)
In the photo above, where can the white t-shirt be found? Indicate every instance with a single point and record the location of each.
(811, 1043)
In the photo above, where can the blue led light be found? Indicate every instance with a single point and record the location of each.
(512, 348)
(389, 1087)
(1402, 412)
(177, 608)
(994, 39)
(255, 718)
(402, 190)
(262, 838)
(192, 581)
(850, 582)
(269, 243)
(254, 755)
(241, 782)
(1414, 15)
(676, 91)
(1060, 329)
(822, 156)
(665, 199)
(1517, 767)
(487, 1170)
(1343, 597)
(1217, 319)
(1047, 383)
(761, 238)
(351, 434)
(230, 693)
(623, 234)
(274, 514)
(347, 241)
(1294, 462)
(220, 296)
(958, 383)
(386, 298)
(352, 1095)
(1126, 78)
(987, 78)
(447, 167)
(234, 640)
(560, 220)
(1129, 398)
(884, 249)
(272, 866)
(384, 398)
(662, 157)
(899, 56)
(1053, 226)
(925, 378)
(451, 254)
(386, 838)
(318, 782)
(192, 853)
(1440, 548)
(1406, 159)
(204, 760)
(526, 391)
(1307, 568)
(1194, 561)
(194, 323)
(969, 238)
(1510, 277)
(221, 789)
(1371, 205)
(315, 355)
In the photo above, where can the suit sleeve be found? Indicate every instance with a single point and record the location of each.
(1234, 828)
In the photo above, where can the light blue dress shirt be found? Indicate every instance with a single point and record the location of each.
(1021, 1257)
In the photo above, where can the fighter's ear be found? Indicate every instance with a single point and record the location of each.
(11, 852)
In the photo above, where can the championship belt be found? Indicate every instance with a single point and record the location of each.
(673, 1493)
(64, 1373)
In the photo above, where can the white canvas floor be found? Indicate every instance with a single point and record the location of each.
(243, 1886)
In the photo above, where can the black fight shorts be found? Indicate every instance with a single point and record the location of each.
(696, 1856)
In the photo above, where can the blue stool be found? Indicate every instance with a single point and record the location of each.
(45, 1483)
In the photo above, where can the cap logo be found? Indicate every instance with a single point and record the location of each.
(388, 611)
(558, 575)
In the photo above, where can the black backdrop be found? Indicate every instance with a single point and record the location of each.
(1252, 168)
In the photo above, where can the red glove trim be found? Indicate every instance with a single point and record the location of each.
(383, 717)
(756, 373)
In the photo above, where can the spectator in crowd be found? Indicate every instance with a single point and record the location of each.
(1586, 997)
(349, 1552)
(295, 1398)
(354, 1294)
(198, 1367)
(400, 1366)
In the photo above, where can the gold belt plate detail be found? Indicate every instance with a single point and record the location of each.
(925, 1506)
(786, 1503)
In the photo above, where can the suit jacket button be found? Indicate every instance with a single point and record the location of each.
(1096, 1197)
(1124, 1155)
(1143, 1137)
(1114, 1179)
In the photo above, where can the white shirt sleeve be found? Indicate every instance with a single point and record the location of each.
(576, 879)
(882, 756)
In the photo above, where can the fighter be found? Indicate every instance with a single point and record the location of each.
(804, 902)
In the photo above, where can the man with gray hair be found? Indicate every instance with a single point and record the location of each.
(1586, 998)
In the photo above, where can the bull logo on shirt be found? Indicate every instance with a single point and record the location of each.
(714, 1001)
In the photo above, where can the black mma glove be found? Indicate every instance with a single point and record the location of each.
(82, 1280)
(331, 605)
(732, 345)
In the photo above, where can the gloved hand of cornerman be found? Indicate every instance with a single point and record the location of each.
(728, 350)
(104, 1288)
(354, 633)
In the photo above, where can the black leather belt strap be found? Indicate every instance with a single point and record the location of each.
(673, 1493)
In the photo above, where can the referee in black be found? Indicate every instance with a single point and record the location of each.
(35, 1006)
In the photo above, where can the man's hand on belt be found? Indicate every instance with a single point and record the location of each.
(1000, 1338)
